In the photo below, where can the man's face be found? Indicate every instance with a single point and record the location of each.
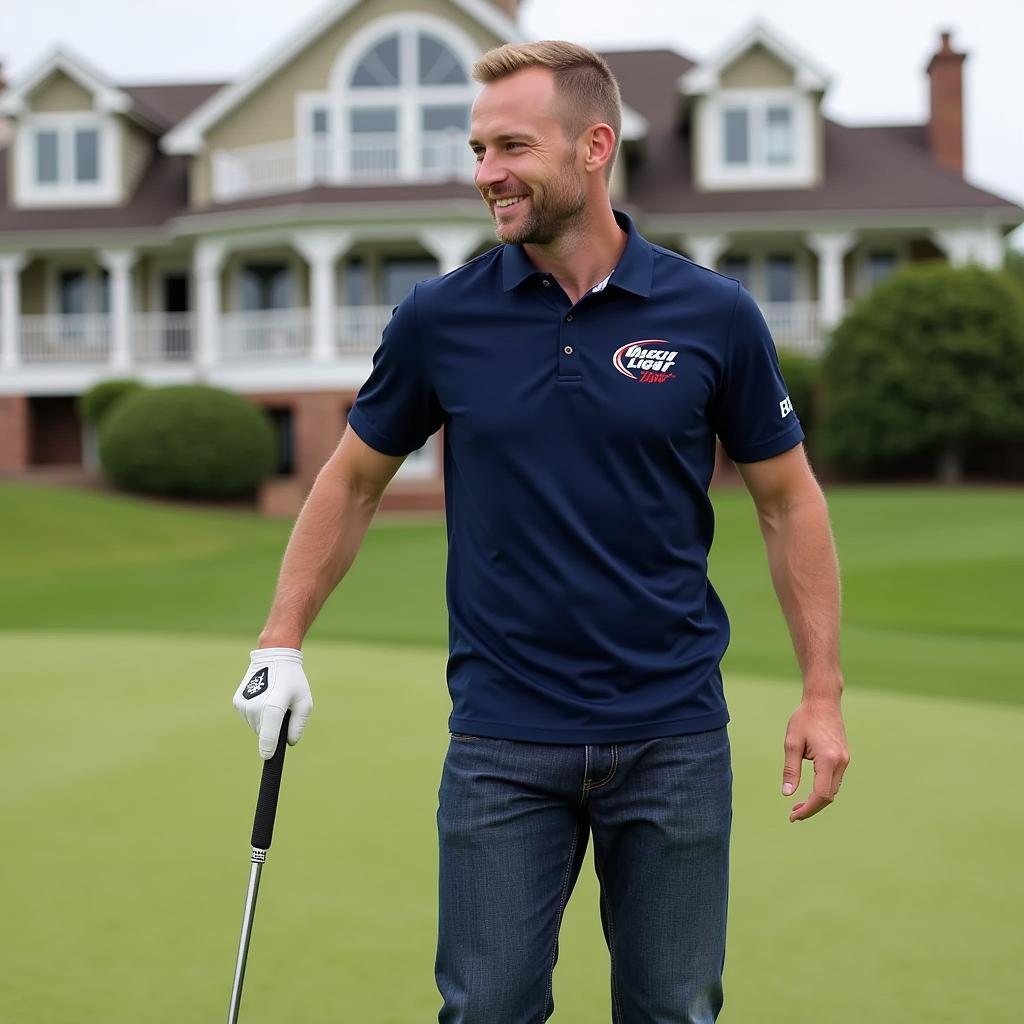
(523, 155)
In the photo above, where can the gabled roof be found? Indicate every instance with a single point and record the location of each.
(707, 76)
(186, 138)
(109, 97)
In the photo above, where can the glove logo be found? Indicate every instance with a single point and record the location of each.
(257, 684)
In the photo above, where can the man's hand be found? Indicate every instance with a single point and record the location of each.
(815, 732)
(274, 683)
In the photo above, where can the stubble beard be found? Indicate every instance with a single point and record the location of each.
(553, 217)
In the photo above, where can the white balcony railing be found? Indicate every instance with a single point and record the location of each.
(266, 333)
(795, 326)
(358, 328)
(365, 157)
(163, 337)
(68, 338)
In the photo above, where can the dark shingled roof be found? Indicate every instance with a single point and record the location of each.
(879, 167)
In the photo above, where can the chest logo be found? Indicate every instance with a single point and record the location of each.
(645, 361)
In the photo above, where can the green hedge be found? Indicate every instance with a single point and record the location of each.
(95, 403)
(929, 367)
(802, 374)
(187, 441)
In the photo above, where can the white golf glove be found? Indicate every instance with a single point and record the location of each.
(274, 683)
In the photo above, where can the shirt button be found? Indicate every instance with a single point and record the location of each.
(546, 283)
(568, 350)
(568, 319)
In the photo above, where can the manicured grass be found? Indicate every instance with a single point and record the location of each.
(127, 804)
(931, 580)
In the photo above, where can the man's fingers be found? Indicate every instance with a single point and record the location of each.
(791, 769)
(828, 773)
(300, 714)
(270, 729)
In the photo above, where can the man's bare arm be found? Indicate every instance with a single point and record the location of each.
(326, 537)
(794, 522)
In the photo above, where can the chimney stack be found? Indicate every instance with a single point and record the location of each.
(946, 120)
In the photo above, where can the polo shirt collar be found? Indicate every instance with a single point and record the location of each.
(634, 272)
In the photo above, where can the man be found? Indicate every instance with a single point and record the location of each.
(581, 375)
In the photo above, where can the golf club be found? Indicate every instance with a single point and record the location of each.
(262, 833)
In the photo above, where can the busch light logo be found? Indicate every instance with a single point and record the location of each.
(648, 359)
(785, 407)
(257, 684)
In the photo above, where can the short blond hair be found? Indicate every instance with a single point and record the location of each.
(582, 79)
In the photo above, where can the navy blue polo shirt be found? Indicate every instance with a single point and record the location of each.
(579, 443)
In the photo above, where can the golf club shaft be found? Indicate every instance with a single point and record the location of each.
(262, 834)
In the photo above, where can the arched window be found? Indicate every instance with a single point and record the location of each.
(404, 106)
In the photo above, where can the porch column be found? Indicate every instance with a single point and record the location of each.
(119, 263)
(321, 250)
(11, 265)
(207, 261)
(451, 245)
(705, 250)
(830, 248)
(983, 246)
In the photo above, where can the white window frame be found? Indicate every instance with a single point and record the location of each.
(93, 272)
(408, 97)
(66, 191)
(861, 271)
(716, 174)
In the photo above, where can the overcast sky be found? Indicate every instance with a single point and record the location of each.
(875, 50)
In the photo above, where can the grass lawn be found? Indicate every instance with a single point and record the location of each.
(130, 781)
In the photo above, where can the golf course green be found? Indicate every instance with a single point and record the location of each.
(129, 781)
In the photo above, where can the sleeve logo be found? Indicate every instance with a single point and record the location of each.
(785, 407)
(256, 685)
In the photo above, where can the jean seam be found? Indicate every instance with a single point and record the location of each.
(616, 1007)
(590, 787)
(562, 900)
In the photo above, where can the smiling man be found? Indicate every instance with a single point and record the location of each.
(582, 375)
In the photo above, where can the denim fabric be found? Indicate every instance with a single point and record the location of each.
(514, 819)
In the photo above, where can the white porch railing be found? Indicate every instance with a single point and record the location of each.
(68, 338)
(358, 328)
(163, 337)
(275, 333)
(364, 157)
(795, 326)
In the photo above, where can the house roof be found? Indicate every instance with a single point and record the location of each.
(186, 138)
(869, 168)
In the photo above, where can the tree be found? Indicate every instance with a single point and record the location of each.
(929, 364)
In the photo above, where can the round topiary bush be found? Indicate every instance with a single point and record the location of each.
(95, 403)
(930, 365)
(187, 441)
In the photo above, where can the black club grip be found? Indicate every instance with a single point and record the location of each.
(270, 786)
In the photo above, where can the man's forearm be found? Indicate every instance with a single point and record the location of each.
(805, 571)
(322, 547)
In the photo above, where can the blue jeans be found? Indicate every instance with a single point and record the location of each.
(513, 823)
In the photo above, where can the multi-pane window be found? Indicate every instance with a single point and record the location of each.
(400, 274)
(266, 286)
(379, 68)
(81, 291)
(67, 155)
(758, 135)
(438, 65)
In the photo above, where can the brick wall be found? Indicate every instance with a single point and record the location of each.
(14, 433)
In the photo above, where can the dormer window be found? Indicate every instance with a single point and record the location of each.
(67, 159)
(756, 138)
(757, 133)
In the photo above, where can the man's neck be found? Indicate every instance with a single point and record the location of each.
(584, 256)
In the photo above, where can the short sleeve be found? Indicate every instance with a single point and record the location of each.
(397, 409)
(752, 413)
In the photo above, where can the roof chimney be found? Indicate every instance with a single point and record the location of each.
(510, 8)
(946, 121)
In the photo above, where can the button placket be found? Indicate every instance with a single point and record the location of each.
(568, 349)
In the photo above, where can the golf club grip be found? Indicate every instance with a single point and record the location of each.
(270, 786)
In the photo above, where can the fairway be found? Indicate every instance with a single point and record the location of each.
(127, 831)
(130, 780)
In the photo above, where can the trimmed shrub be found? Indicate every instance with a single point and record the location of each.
(929, 366)
(187, 441)
(95, 403)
